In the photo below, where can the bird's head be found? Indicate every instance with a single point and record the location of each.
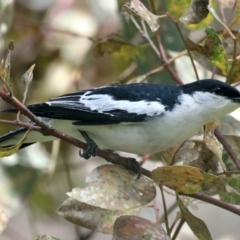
(216, 97)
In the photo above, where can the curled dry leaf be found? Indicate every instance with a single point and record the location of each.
(91, 217)
(136, 8)
(196, 13)
(133, 227)
(114, 187)
(198, 226)
(212, 49)
(184, 179)
(212, 142)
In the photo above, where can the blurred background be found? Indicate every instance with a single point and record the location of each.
(62, 38)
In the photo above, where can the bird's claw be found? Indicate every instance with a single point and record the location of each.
(133, 165)
(92, 148)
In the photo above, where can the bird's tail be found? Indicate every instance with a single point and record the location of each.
(13, 137)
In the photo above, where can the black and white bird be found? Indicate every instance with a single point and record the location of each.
(134, 118)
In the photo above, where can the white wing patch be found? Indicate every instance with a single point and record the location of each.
(105, 103)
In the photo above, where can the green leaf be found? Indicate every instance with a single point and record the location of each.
(198, 227)
(184, 179)
(212, 49)
(8, 151)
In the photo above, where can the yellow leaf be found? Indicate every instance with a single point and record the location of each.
(184, 179)
(8, 151)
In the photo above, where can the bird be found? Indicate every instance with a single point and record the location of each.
(140, 118)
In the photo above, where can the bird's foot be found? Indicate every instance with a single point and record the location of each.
(133, 165)
(92, 148)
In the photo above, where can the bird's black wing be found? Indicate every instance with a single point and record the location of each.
(109, 105)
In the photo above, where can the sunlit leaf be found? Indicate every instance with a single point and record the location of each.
(138, 9)
(3, 220)
(45, 237)
(184, 179)
(196, 13)
(133, 227)
(8, 151)
(198, 227)
(114, 187)
(91, 217)
(212, 49)
(116, 46)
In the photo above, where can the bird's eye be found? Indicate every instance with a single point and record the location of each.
(218, 90)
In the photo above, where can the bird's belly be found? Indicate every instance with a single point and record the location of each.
(140, 138)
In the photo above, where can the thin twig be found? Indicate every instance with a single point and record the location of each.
(176, 22)
(165, 211)
(166, 61)
(214, 201)
(182, 221)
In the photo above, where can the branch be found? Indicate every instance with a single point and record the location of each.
(214, 201)
(47, 130)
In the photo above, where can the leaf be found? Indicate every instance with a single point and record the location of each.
(138, 9)
(8, 151)
(91, 217)
(116, 46)
(196, 13)
(212, 49)
(198, 227)
(183, 179)
(133, 227)
(3, 220)
(45, 237)
(211, 141)
(114, 187)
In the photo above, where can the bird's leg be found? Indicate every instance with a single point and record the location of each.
(133, 165)
(92, 148)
